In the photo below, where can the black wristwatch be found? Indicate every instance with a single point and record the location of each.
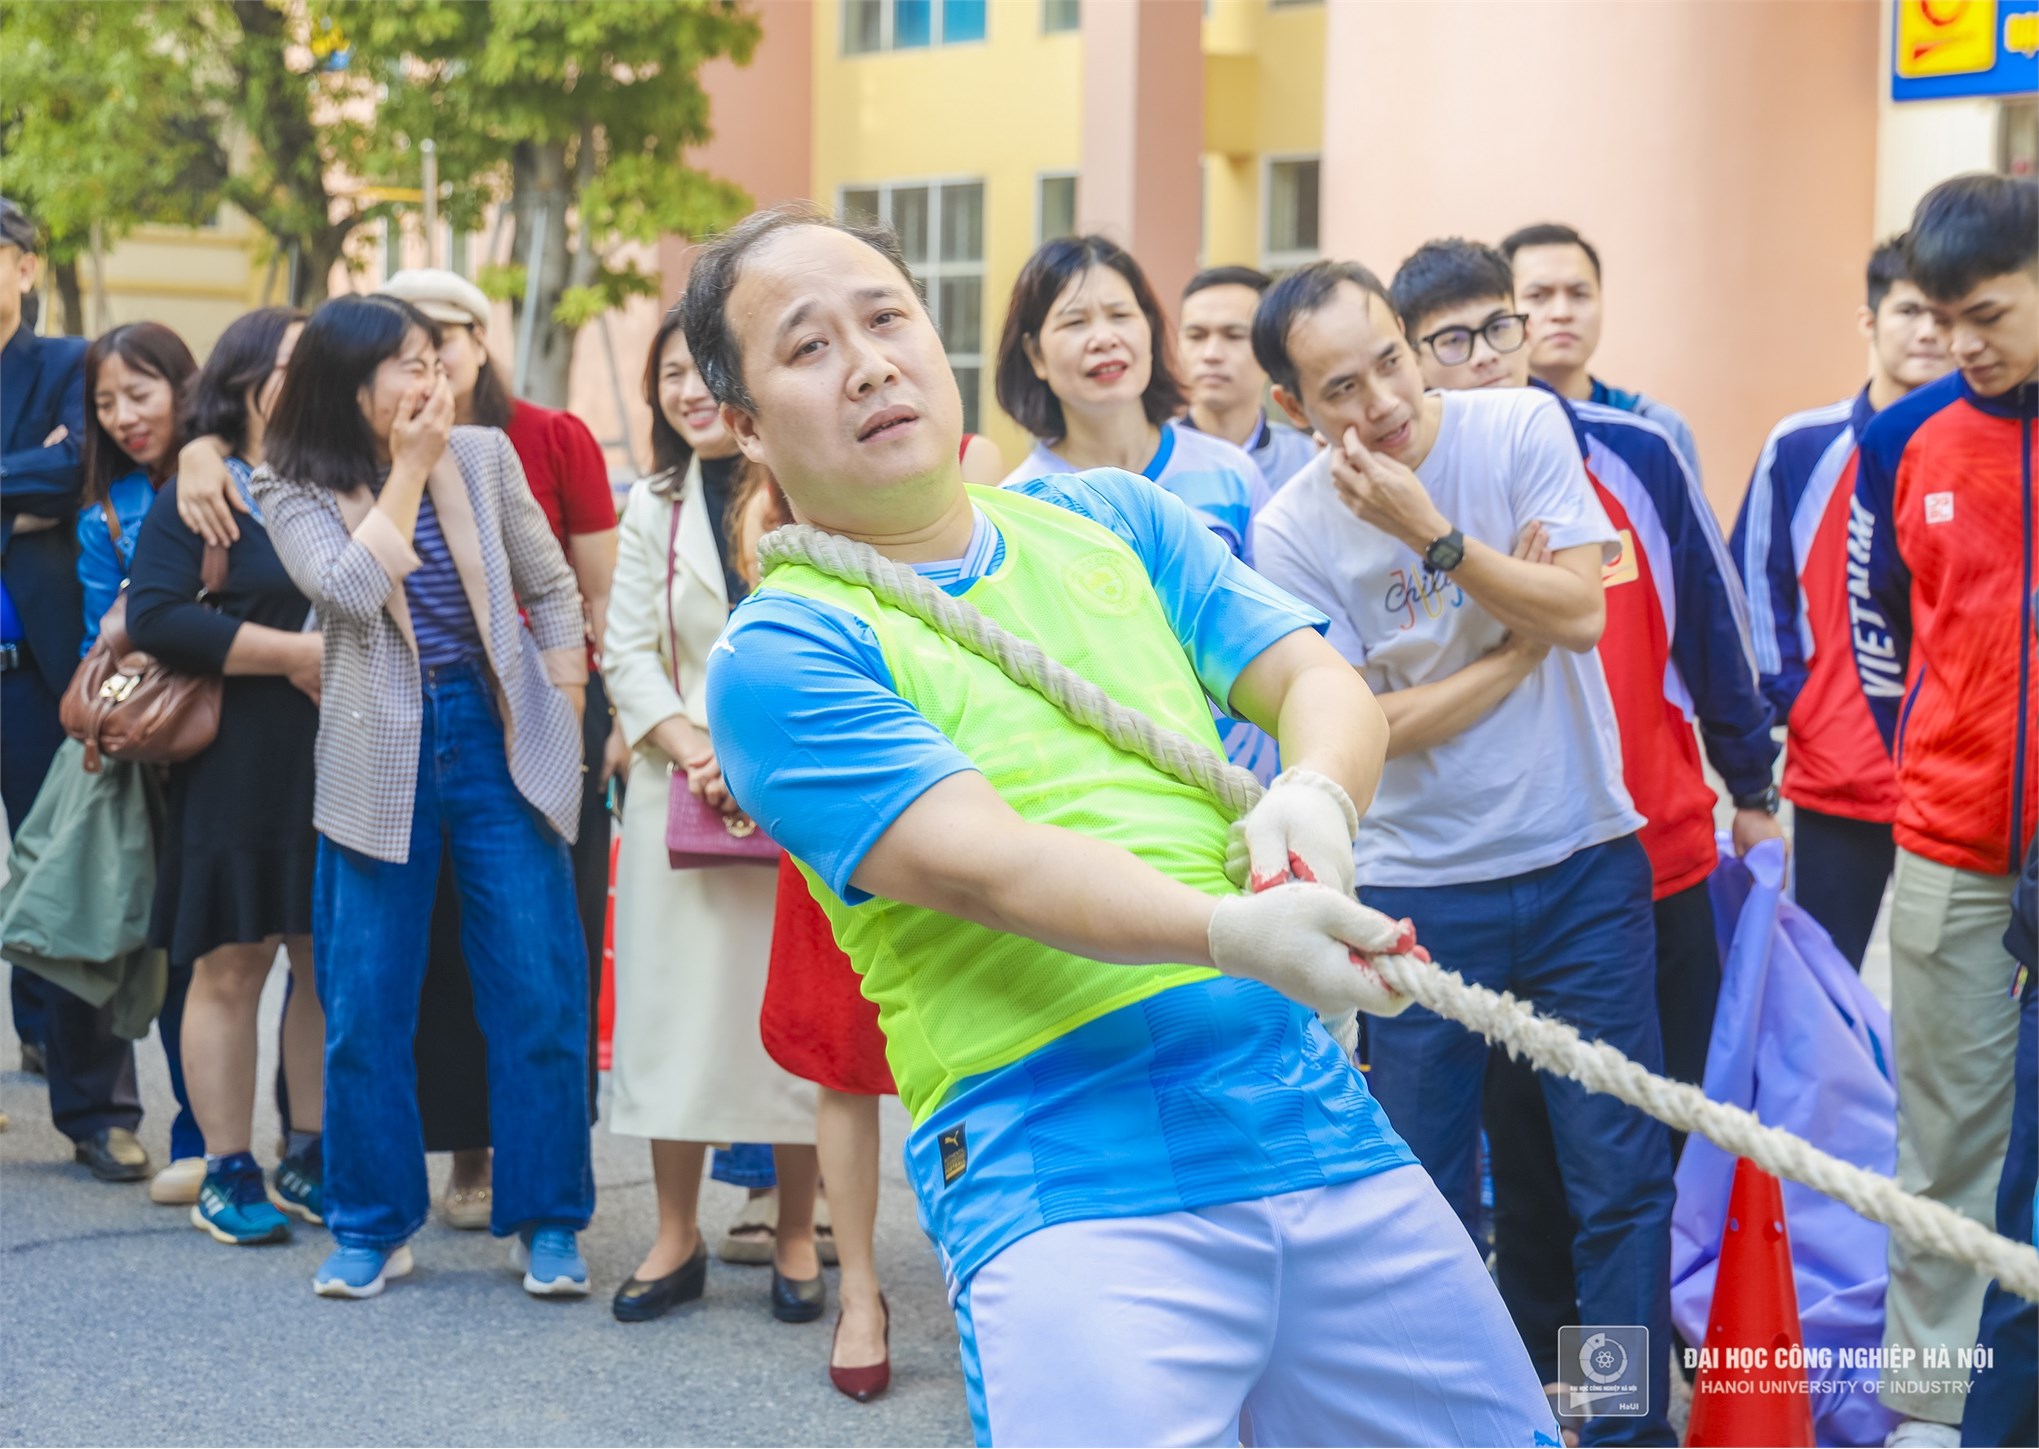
(1765, 801)
(1445, 554)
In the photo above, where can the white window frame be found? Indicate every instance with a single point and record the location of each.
(886, 45)
(1270, 259)
(1040, 212)
(932, 272)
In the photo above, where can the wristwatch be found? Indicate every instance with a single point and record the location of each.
(1445, 554)
(1766, 801)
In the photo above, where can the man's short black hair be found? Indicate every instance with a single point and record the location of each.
(1970, 229)
(1886, 269)
(1300, 293)
(18, 229)
(704, 309)
(1252, 277)
(1549, 234)
(1450, 273)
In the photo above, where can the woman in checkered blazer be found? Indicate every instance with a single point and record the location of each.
(447, 724)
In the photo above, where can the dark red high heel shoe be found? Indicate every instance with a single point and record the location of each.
(866, 1383)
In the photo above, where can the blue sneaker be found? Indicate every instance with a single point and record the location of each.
(361, 1272)
(299, 1185)
(233, 1208)
(552, 1263)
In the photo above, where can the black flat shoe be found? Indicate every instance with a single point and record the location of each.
(113, 1155)
(638, 1301)
(798, 1300)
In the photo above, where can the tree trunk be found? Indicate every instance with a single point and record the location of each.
(317, 255)
(71, 297)
(543, 192)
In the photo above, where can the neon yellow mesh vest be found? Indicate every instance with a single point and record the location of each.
(954, 998)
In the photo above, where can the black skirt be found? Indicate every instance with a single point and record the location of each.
(238, 848)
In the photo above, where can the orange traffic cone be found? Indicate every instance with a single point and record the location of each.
(605, 1004)
(1752, 1387)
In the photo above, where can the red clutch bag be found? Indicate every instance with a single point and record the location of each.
(697, 836)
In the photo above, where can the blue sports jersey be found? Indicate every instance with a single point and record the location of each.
(1224, 488)
(819, 748)
(1221, 485)
(1214, 1091)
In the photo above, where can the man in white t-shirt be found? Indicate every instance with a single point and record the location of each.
(1501, 826)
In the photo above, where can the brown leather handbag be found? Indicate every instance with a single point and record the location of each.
(128, 704)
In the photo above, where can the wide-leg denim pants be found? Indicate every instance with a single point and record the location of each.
(525, 953)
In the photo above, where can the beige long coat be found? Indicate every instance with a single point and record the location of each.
(692, 946)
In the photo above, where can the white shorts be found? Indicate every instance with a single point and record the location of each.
(1352, 1314)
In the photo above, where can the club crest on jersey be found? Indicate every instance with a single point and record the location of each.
(955, 1149)
(1102, 579)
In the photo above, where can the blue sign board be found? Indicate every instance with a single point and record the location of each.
(1946, 49)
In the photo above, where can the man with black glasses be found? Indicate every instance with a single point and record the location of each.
(1677, 652)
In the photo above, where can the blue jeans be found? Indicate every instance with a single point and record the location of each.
(1578, 939)
(745, 1164)
(2003, 1399)
(371, 926)
(185, 1138)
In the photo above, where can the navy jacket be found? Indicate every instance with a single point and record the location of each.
(42, 387)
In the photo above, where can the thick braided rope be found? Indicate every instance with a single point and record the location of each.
(1549, 1044)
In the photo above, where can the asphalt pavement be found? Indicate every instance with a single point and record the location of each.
(120, 1323)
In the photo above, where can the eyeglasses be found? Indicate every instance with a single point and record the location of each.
(1454, 345)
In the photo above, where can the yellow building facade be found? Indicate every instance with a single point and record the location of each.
(1005, 113)
(1268, 132)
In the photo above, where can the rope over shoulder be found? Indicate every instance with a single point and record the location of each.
(1548, 1044)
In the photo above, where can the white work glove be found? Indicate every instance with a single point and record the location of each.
(1303, 828)
(1310, 943)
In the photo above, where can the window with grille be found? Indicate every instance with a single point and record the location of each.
(1290, 236)
(940, 225)
(875, 25)
(1055, 208)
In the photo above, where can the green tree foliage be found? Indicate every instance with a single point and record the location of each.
(121, 112)
(577, 115)
(99, 124)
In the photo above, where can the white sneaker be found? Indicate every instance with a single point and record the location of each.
(177, 1185)
(1925, 1434)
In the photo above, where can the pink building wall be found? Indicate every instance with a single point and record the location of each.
(1143, 127)
(763, 117)
(1721, 157)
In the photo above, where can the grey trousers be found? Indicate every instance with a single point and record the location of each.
(1955, 1026)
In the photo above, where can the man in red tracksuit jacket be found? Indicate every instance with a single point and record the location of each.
(1943, 561)
(1791, 544)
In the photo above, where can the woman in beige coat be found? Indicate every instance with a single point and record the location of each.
(692, 946)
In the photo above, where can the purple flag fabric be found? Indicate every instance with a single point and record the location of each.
(1800, 1041)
